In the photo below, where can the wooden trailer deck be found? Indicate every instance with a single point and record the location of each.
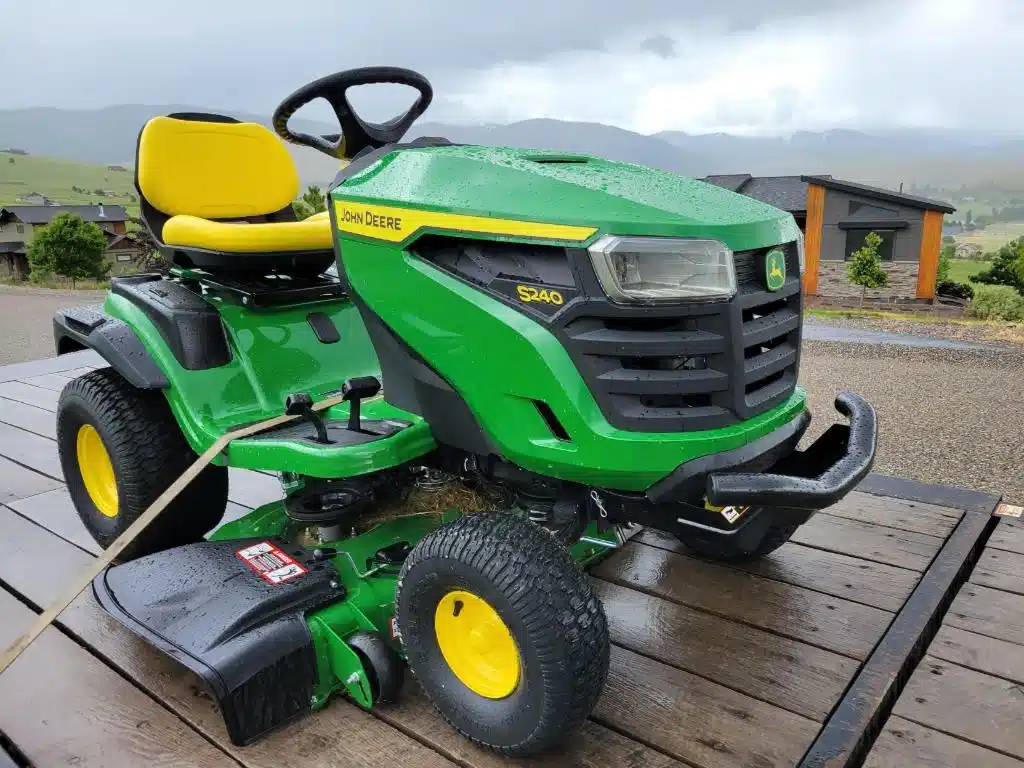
(823, 654)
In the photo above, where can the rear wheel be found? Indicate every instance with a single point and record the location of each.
(120, 448)
(727, 549)
(503, 631)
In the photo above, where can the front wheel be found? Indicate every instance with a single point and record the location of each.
(503, 631)
(727, 549)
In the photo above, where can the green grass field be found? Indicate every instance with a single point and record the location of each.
(960, 270)
(55, 178)
(993, 237)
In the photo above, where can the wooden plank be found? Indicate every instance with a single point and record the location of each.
(341, 734)
(695, 720)
(837, 625)
(967, 704)
(904, 743)
(51, 365)
(906, 515)
(17, 482)
(948, 496)
(862, 581)
(989, 612)
(979, 652)
(592, 745)
(26, 393)
(870, 542)
(55, 512)
(1000, 570)
(846, 736)
(253, 489)
(54, 381)
(65, 707)
(74, 373)
(778, 670)
(1008, 536)
(28, 417)
(30, 450)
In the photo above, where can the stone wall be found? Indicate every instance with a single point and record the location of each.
(833, 280)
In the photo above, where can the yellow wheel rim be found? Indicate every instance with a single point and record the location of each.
(97, 470)
(477, 645)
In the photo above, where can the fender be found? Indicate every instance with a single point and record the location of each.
(80, 328)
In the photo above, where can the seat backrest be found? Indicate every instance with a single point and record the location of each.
(213, 167)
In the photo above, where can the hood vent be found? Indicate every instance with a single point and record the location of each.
(558, 159)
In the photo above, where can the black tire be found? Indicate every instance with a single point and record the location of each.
(545, 602)
(148, 453)
(725, 549)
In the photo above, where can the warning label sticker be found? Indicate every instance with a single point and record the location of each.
(273, 565)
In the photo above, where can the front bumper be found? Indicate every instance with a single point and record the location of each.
(769, 475)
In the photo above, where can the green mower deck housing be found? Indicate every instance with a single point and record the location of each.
(502, 321)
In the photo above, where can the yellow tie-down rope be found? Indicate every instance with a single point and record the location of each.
(48, 616)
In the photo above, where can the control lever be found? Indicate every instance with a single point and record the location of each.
(354, 391)
(301, 404)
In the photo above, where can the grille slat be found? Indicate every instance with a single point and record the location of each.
(764, 365)
(613, 341)
(778, 323)
(627, 381)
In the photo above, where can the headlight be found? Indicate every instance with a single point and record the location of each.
(641, 270)
(800, 252)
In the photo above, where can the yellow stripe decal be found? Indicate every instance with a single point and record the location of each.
(382, 222)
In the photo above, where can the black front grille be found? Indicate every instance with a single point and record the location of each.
(696, 366)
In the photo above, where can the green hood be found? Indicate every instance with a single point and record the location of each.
(617, 198)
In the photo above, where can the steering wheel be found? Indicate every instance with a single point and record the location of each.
(356, 133)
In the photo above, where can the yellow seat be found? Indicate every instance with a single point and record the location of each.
(217, 194)
(312, 234)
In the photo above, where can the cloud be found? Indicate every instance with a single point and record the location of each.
(740, 66)
(919, 63)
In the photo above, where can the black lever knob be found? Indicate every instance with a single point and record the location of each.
(297, 403)
(301, 404)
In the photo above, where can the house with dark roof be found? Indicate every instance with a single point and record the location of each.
(835, 217)
(18, 224)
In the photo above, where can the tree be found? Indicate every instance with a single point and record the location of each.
(69, 247)
(1007, 267)
(312, 201)
(865, 267)
(149, 259)
(946, 254)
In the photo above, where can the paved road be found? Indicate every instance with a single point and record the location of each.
(949, 412)
(818, 332)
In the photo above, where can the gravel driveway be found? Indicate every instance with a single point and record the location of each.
(26, 320)
(945, 415)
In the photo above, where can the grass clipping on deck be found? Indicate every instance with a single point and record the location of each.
(433, 502)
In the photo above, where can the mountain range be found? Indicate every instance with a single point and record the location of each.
(921, 158)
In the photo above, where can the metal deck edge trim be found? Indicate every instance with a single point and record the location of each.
(849, 732)
(927, 493)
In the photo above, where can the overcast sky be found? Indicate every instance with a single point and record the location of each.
(739, 66)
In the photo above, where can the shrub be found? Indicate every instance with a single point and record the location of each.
(1007, 268)
(954, 290)
(997, 302)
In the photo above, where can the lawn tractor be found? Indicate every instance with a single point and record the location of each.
(484, 368)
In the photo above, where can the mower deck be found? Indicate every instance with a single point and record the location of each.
(803, 659)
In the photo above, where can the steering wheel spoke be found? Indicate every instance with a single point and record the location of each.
(356, 134)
